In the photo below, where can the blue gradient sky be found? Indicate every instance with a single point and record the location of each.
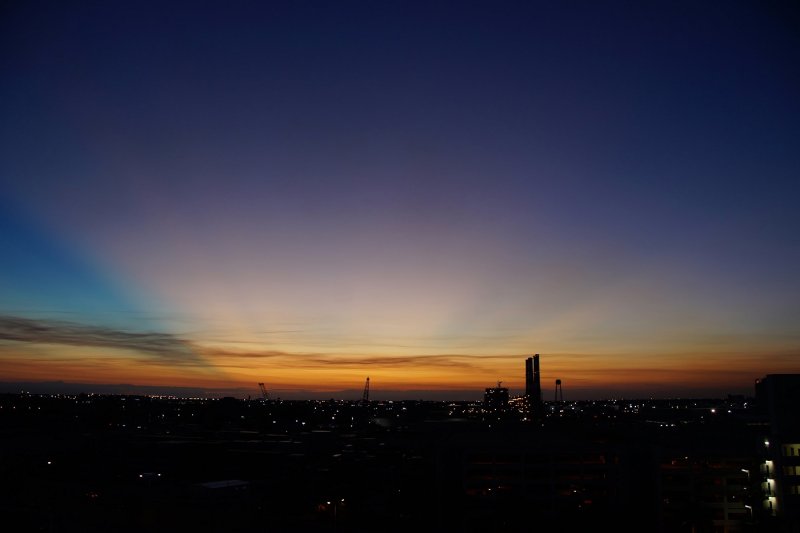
(307, 193)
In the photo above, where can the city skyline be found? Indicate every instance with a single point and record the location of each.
(306, 194)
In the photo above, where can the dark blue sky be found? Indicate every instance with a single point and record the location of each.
(415, 178)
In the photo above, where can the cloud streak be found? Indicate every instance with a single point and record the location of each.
(400, 361)
(43, 331)
(172, 349)
(322, 360)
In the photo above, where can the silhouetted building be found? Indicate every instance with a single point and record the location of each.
(778, 402)
(704, 480)
(130, 464)
(553, 480)
(495, 398)
(529, 377)
(533, 386)
(778, 398)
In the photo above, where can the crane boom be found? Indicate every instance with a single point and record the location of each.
(365, 396)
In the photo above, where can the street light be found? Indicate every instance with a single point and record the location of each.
(335, 505)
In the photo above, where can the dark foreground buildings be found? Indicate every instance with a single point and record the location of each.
(778, 403)
(125, 463)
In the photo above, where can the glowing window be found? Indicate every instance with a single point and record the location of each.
(790, 450)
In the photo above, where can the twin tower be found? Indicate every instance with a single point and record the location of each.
(533, 386)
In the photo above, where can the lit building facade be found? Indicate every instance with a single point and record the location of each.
(495, 398)
(778, 402)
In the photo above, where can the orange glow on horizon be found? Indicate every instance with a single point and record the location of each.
(582, 374)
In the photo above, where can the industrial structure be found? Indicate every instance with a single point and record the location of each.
(559, 397)
(264, 393)
(365, 395)
(663, 465)
(533, 387)
(496, 398)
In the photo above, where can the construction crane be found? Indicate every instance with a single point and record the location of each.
(264, 393)
(365, 396)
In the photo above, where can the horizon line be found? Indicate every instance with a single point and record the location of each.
(53, 387)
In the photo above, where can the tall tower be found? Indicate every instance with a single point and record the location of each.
(529, 377)
(533, 386)
(559, 391)
(537, 385)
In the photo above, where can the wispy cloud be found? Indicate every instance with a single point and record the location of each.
(163, 345)
(399, 361)
(321, 359)
(173, 349)
(249, 354)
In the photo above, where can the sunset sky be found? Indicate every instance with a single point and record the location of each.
(201, 196)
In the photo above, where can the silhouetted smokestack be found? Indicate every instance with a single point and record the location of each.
(529, 377)
(533, 386)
